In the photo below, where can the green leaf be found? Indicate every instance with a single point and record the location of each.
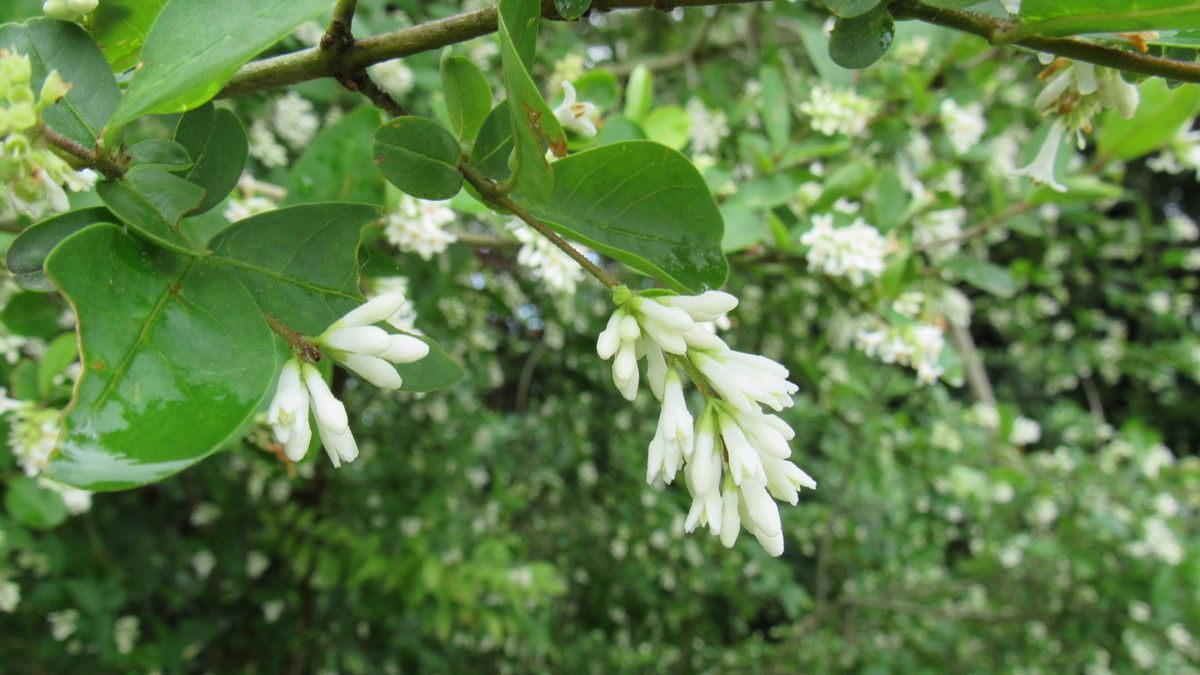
(160, 153)
(645, 205)
(816, 46)
(300, 263)
(33, 505)
(776, 111)
(152, 202)
(1070, 17)
(30, 314)
(419, 157)
(668, 125)
(216, 142)
(744, 227)
(847, 9)
(176, 360)
(848, 180)
(863, 40)
(120, 27)
(61, 46)
(196, 46)
(572, 9)
(60, 353)
(1161, 114)
(494, 145)
(435, 371)
(29, 250)
(639, 93)
(534, 123)
(338, 164)
(984, 275)
(468, 96)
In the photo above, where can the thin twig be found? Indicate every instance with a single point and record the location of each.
(338, 36)
(973, 370)
(111, 169)
(491, 193)
(979, 230)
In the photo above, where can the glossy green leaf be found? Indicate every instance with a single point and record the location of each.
(176, 359)
(195, 46)
(1162, 113)
(120, 27)
(468, 96)
(863, 40)
(153, 202)
(300, 263)
(851, 8)
(33, 505)
(419, 157)
(29, 250)
(494, 145)
(534, 124)
(160, 153)
(435, 371)
(1071, 17)
(572, 9)
(27, 313)
(639, 93)
(643, 204)
(339, 164)
(61, 46)
(216, 142)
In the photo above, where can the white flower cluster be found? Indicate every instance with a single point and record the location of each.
(33, 435)
(855, 251)
(252, 198)
(10, 596)
(1075, 93)
(1183, 154)
(575, 115)
(835, 111)
(918, 346)
(294, 120)
(394, 77)
(545, 261)
(707, 128)
(126, 631)
(418, 226)
(735, 456)
(964, 125)
(32, 174)
(69, 10)
(356, 343)
(264, 147)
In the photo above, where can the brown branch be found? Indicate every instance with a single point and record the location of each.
(338, 36)
(95, 158)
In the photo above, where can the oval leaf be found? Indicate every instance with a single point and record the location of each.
(861, 41)
(160, 153)
(153, 202)
(643, 204)
(216, 142)
(468, 96)
(419, 157)
(176, 359)
(28, 252)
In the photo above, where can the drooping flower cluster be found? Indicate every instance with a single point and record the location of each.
(69, 10)
(356, 343)
(835, 111)
(33, 175)
(545, 261)
(1075, 93)
(855, 252)
(418, 226)
(735, 456)
(575, 115)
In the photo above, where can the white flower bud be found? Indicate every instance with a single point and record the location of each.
(339, 446)
(379, 308)
(374, 370)
(610, 337)
(731, 520)
(405, 349)
(288, 412)
(708, 306)
(329, 411)
(367, 340)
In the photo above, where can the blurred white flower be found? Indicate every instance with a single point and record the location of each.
(575, 115)
(263, 145)
(545, 261)
(707, 127)
(835, 111)
(418, 226)
(63, 624)
(855, 251)
(126, 631)
(10, 596)
(964, 125)
(294, 120)
(394, 77)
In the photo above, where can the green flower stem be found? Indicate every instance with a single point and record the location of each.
(493, 195)
(696, 376)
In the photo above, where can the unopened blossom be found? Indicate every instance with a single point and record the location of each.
(839, 111)
(964, 125)
(418, 226)
(33, 175)
(735, 458)
(575, 115)
(69, 10)
(333, 425)
(288, 412)
(855, 252)
(355, 342)
(545, 261)
(77, 501)
(294, 120)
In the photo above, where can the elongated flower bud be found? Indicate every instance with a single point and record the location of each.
(374, 370)
(379, 308)
(329, 411)
(367, 340)
(405, 349)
